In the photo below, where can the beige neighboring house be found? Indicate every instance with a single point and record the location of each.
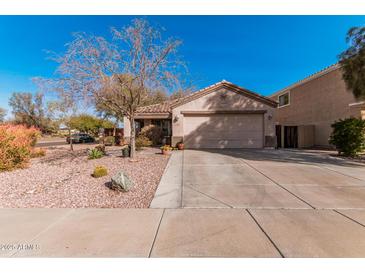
(223, 115)
(307, 109)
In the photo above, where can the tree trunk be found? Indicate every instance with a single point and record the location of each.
(115, 129)
(69, 135)
(133, 137)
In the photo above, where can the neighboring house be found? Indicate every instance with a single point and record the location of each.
(220, 116)
(307, 109)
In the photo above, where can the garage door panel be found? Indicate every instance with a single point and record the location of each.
(224, 131)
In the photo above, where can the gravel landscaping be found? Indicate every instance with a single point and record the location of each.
(63, 179)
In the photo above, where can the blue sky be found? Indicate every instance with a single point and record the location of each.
(261, 53)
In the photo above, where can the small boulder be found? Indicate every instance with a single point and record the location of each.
(121, 182)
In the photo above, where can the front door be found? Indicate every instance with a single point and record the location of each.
(278, 135)
(291, 136)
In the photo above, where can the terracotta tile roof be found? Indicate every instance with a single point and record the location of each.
(164, 107)
(167, 106)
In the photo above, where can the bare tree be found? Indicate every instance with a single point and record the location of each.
(120, 73)
(63, 110)
(29, 109)
(2, 114)
(105, 112)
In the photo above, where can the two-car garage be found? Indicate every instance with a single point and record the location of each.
(224, 130)
(222, 115)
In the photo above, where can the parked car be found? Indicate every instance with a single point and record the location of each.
(80, 138)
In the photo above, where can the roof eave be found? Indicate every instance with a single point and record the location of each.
(153, 115)
(309, 78)
(228, 85)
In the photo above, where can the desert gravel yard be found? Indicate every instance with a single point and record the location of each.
(63, 179)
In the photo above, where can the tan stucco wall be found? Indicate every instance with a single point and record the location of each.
(214, 102)
(318, 102)
(305, 136)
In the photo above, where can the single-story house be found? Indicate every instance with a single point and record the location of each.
(222, 115)
(307, 108)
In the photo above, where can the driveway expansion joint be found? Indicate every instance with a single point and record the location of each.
(279, 185)
(265, 233)
(210, 197)
(338, 172)
(60, 219)
(347, 217)
(157, 230)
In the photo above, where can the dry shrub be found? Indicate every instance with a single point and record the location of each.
(142, 141)
(153, 133)
(37, 152)
(16, 145)
(109, 140)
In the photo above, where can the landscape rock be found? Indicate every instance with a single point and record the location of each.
(121, 182)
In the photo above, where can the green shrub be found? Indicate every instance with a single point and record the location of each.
(109, 140)
(348, 136)
(16, 145)
(142, 141)
(100, 171)
(95, 154)
(153, 133)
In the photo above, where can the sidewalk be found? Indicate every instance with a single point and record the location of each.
(169, 191)
(181, 233)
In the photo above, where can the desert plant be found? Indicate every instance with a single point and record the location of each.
(89, 123)
(30, 110)
(2, 115)
(100, 171)
(352, 62)
(142, 141)
(109, 140)
(95, 154)
(101, 148)
(37, 152)
(166, 147)
(153, 133)
(16, 144)
(348, 136)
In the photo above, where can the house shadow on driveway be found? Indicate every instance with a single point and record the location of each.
(295, 156)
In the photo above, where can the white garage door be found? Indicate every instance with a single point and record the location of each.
(224, 131)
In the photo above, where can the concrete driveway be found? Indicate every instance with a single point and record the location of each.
(306, 204)
(271, 179)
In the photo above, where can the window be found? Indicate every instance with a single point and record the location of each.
(284, 99)
(165, 125)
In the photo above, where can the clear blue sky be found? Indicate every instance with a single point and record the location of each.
(261, 53)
